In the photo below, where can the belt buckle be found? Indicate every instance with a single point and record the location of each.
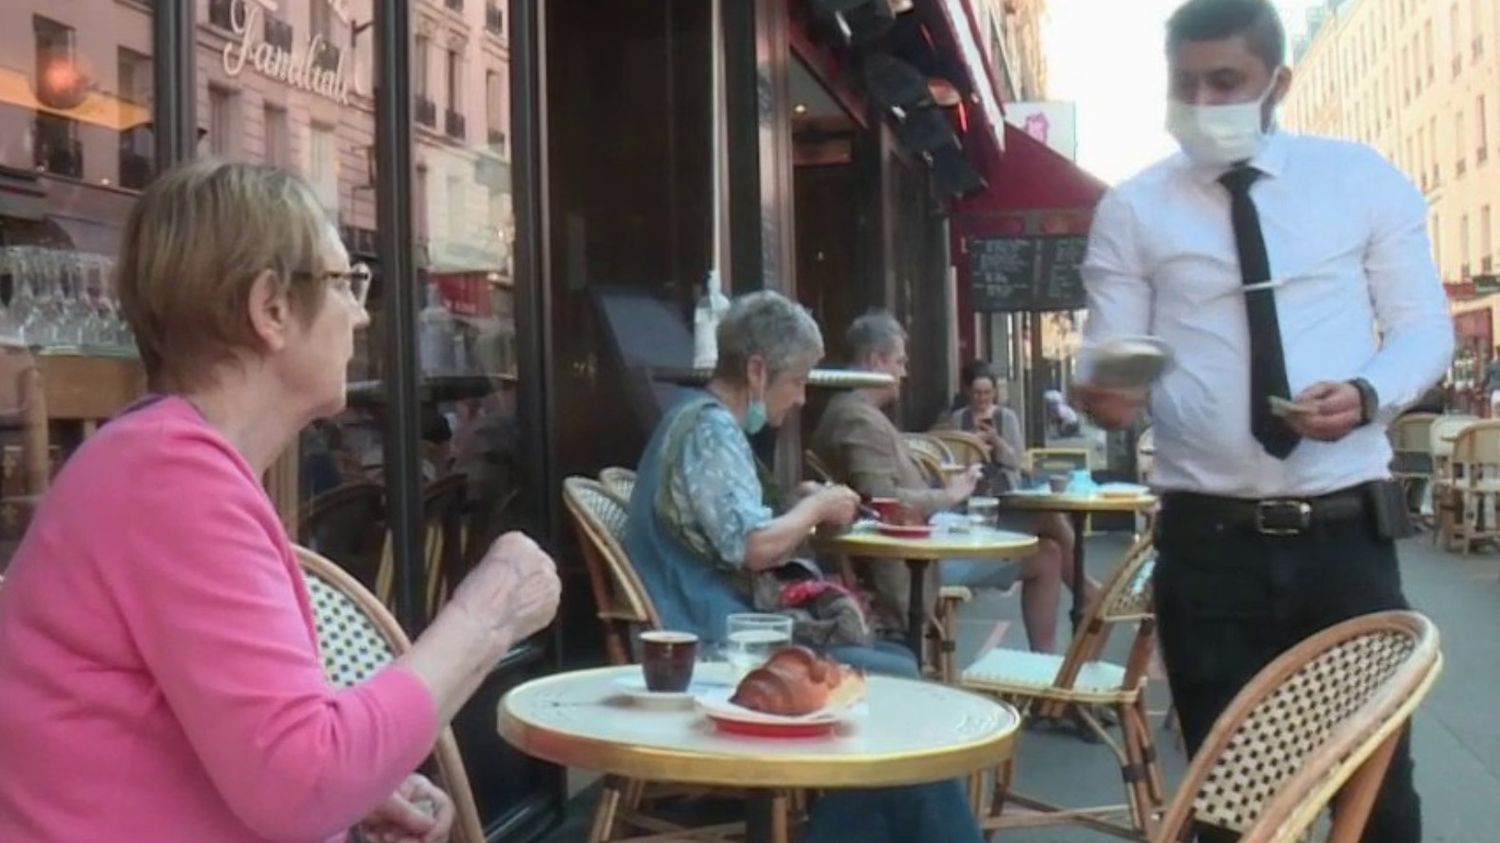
(1282, 517)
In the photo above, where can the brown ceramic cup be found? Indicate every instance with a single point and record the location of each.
(667, 660)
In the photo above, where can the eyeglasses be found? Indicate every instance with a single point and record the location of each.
(355, 283)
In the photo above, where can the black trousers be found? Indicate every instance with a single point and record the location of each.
(1229, 600)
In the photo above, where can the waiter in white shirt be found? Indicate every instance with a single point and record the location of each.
(1277, 266)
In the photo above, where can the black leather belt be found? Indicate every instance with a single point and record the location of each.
(1271, 516)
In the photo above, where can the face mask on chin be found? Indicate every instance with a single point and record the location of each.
(1220, 135)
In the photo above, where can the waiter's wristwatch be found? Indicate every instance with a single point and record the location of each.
(1369, 401)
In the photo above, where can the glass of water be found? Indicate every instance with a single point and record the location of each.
(752, 638)
(984, 511)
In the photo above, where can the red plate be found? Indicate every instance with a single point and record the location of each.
(754, 729)
(905, 531)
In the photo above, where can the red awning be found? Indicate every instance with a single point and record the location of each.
(1029, 178)
(1032, 192)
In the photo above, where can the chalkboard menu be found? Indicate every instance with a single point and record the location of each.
(1031, 273)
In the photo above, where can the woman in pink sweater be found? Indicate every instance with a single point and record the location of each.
(159, 672)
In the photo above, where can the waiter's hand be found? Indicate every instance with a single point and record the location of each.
(1336, 411)
(1110, 407)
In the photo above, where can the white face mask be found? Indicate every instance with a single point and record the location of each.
(1219, 135)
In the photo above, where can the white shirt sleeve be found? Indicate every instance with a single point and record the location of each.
(1411, 308)
(1114, 278)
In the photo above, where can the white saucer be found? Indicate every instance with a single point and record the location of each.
(1129, 362)
(633, 687)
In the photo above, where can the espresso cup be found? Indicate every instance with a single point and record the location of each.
(667, 660)
(889, 509)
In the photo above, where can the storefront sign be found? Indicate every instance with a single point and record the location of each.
(1029, 262)
(1034, 273)
(292, 67)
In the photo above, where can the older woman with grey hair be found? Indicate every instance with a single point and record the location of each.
(699, 526)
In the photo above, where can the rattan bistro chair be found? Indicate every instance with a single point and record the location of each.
(1317, 725)
(1078, 683)
(927, 446)
(619, 482)
(1442, 435)
(357, 637)
(1475, 484)
(622, 603)
(966, 448)
(347, 524)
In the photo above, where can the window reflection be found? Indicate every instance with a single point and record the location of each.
(75, 146)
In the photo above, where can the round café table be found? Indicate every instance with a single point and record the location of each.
(863, 541)
(1078, 506)
(580, 719)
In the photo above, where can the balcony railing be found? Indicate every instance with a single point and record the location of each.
(456, 5)
(278, 33)
(1460, 168)
(426, 112)
(1486, 264)
(1481, 155)
(453, 124)
(221, 13)
(497, 140)
(494, 19)
(1478, 46)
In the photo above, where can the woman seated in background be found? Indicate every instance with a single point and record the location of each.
(699, 528)
(986, 415)
(159, 669)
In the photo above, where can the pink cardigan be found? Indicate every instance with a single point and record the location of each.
(159, 671)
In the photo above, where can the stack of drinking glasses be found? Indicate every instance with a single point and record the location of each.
(61, 301)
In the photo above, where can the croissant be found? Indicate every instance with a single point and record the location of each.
(795, 681)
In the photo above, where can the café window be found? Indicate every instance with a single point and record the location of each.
(277, 136)
(134, 83)
(75, 145)
(498, 120)
(323, 165)
(223, 122)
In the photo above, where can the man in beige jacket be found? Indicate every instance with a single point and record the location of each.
(864, 449)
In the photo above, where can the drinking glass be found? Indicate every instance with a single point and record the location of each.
(984, 511)
(752, 638)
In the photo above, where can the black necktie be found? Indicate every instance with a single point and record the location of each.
(1267, 360)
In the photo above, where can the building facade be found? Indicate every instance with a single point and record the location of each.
(1418, 81)
(1013, 40)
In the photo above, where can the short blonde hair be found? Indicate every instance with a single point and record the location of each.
(194, 244)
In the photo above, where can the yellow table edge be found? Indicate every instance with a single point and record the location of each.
(1076, 503)
(749, 770)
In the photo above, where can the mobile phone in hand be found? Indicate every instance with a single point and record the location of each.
(1289, 409)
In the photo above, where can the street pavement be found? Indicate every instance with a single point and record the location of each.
(1456, 738)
